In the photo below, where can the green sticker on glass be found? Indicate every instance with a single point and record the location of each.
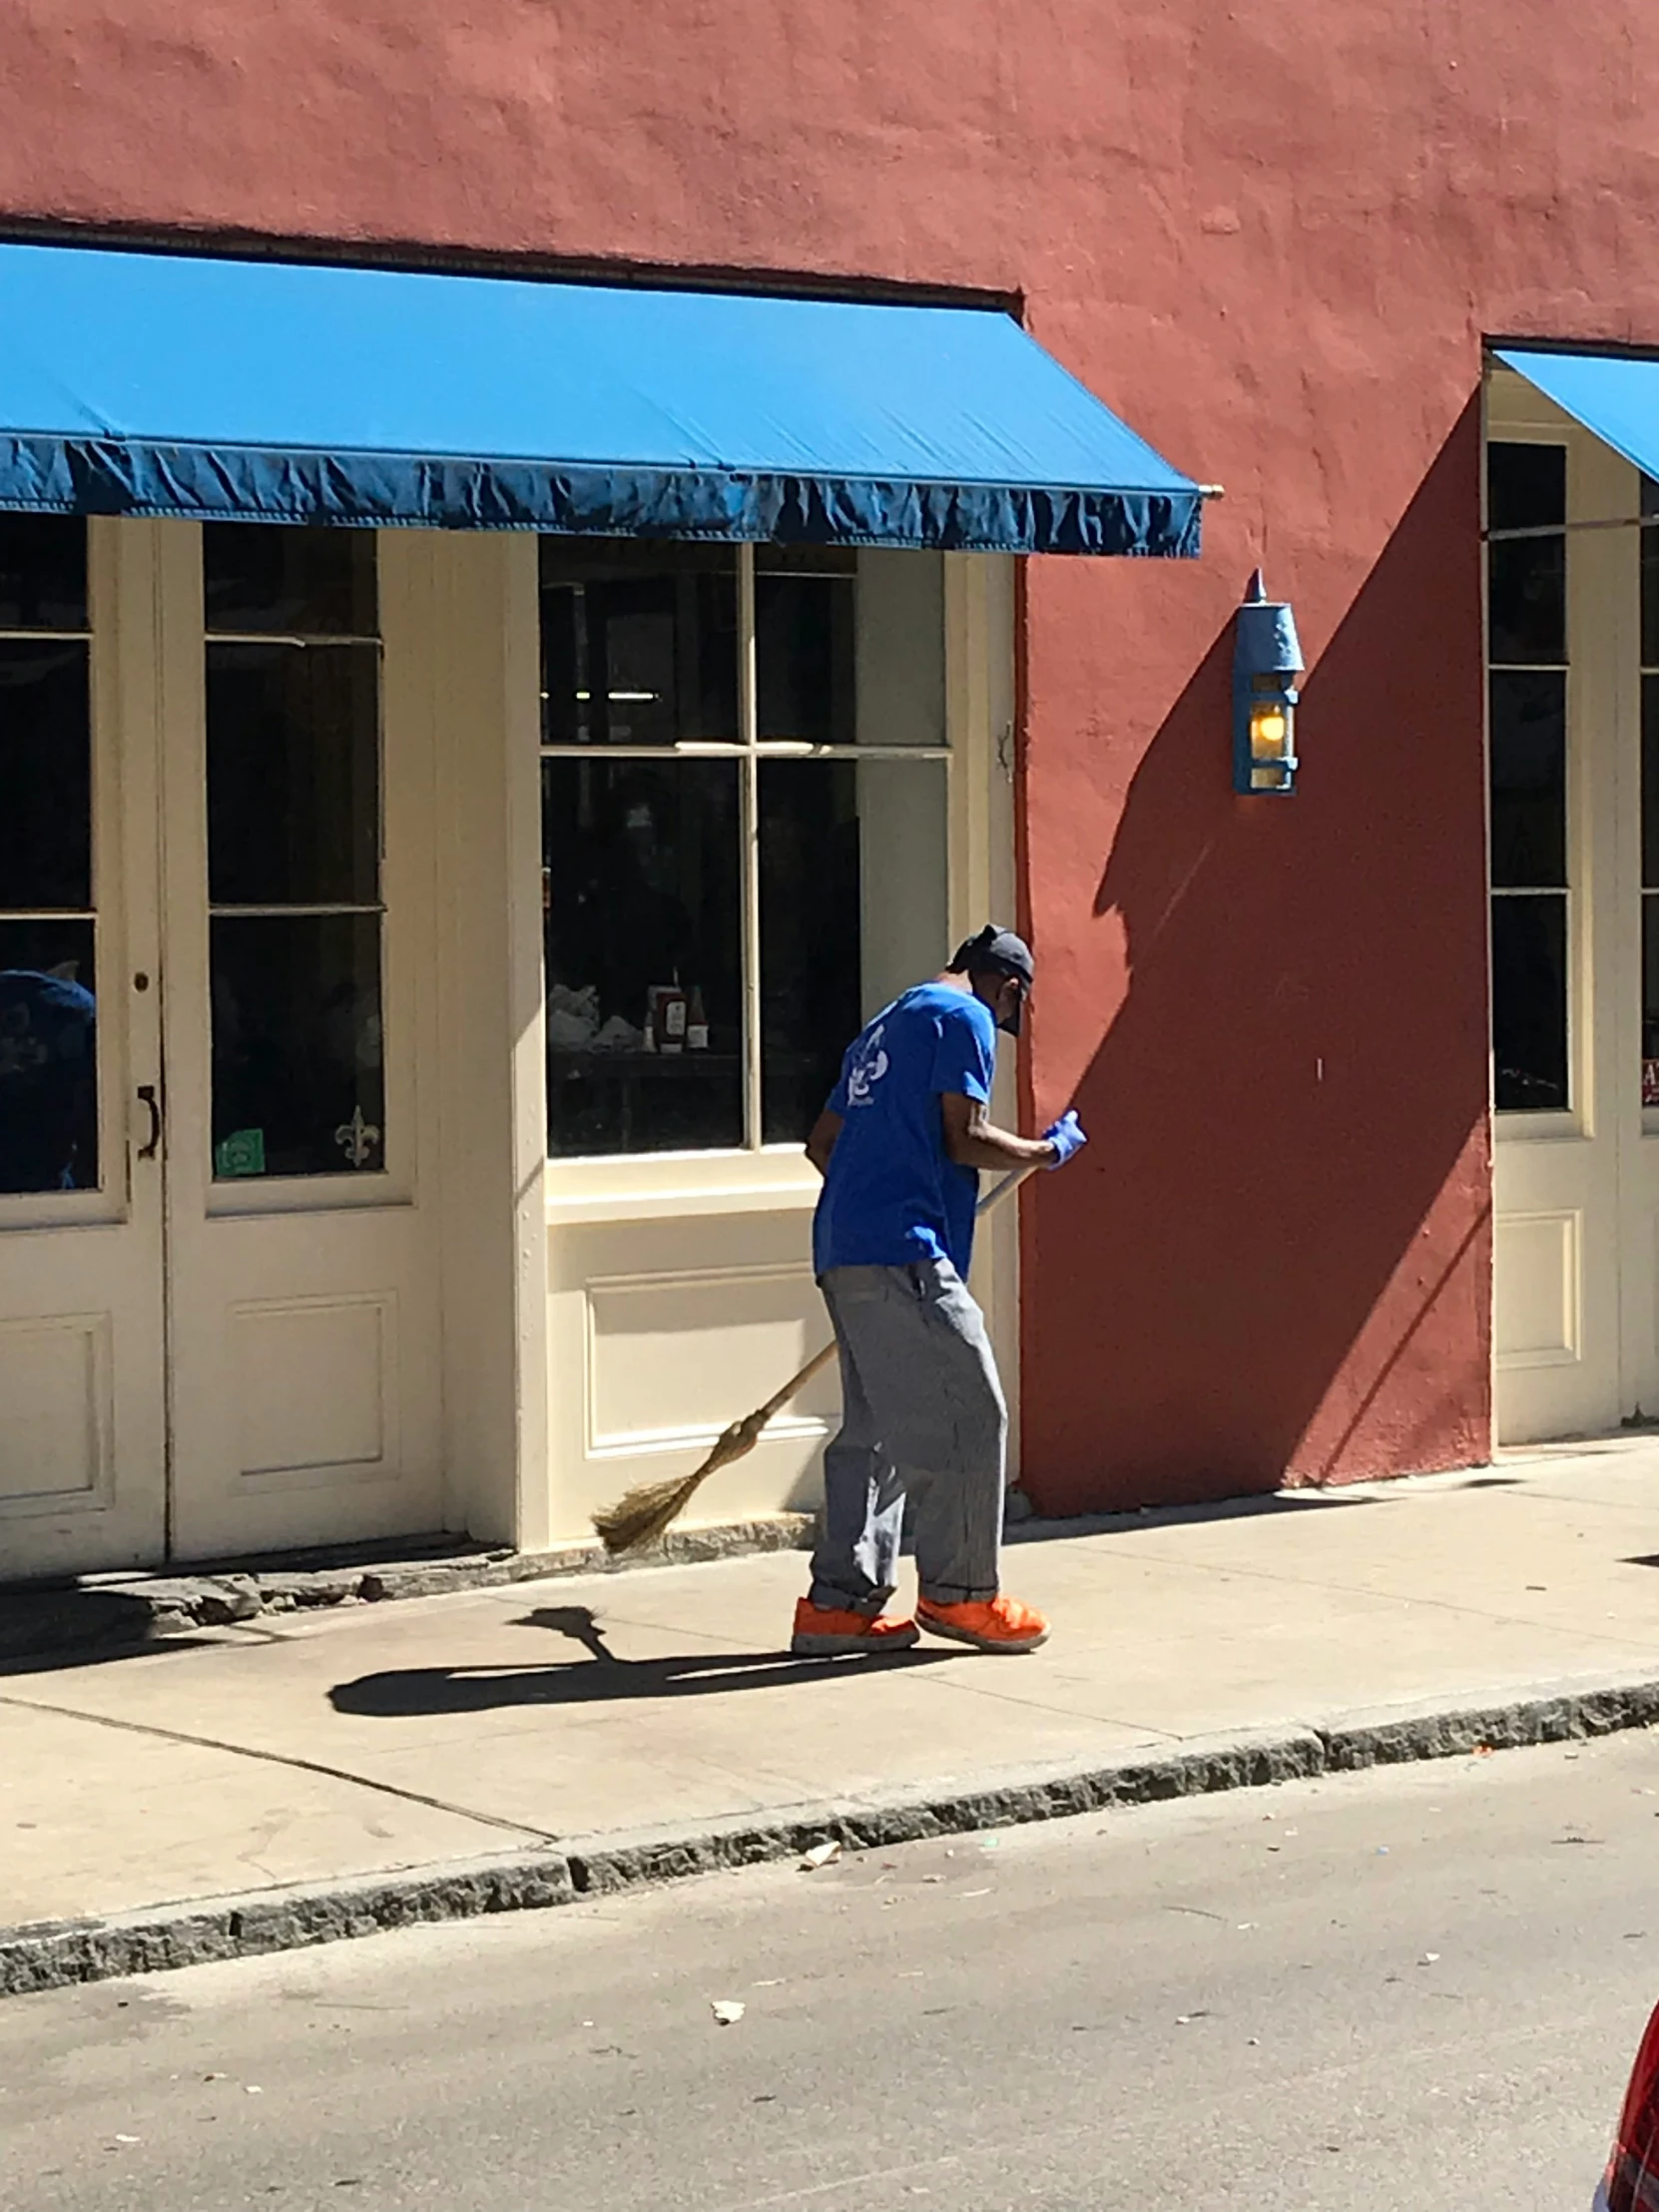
(241, 1153)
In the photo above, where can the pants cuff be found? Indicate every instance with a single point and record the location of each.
(845, 1601)
(944, 1593)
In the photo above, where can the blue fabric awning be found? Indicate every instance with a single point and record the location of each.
(161, 384)
(1615, 395)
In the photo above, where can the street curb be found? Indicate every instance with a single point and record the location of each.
(56, 1955)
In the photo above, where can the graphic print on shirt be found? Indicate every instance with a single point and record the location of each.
(868, 1069)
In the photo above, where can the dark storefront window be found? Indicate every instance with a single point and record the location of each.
(294, 850)
(1526, 577)
(730, 886)
(48, 919)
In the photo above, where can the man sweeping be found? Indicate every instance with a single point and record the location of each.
(900, 1145)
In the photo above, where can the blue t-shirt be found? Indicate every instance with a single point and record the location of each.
(892, 1196)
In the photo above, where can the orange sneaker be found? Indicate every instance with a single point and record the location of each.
(824, 1632)
(1001, 1624)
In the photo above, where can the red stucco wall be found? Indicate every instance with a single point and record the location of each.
(1272, 236)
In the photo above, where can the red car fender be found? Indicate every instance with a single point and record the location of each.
(1631, 2183)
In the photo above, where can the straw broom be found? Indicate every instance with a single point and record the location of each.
(649, 1510)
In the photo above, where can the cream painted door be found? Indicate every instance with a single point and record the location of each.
(83, 1434)
(302, 1253)
(1576, 1152)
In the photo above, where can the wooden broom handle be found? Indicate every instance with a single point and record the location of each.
(820, 1360)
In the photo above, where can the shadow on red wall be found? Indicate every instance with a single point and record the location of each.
(1272, 1261)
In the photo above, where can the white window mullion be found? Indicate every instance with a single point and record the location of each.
(749, 819)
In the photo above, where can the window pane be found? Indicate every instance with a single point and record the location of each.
(44, 776)
(1650, 783)
(1528, 599)
(43, 572)
(1650, 1001)
(852, 911)
(1529, 778)
(1526, 486)
(294, 582)
(48, 1057)
(1529, 1003)
(293, 759)
(804, 665)
(640, 892)
(299, 1085)
(639, 643)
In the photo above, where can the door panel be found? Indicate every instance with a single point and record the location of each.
(82, 1409)
(303, 1253)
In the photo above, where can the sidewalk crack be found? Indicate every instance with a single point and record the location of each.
(279, 1759)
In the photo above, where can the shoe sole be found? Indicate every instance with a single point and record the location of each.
(1014, 1647)
(805, 1645)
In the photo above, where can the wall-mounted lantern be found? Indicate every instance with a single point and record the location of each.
(1267, 660)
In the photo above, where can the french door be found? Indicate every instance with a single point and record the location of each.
(219, 1280)
(1573, 654)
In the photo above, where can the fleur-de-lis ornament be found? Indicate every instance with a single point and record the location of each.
(357, 1138)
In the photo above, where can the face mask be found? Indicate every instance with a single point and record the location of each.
(1010, 1023)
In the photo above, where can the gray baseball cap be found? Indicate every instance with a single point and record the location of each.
(994, 951)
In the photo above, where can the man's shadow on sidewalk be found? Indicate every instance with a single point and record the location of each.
(600, 1679)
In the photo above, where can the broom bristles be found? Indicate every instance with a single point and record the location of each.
(647, 1511)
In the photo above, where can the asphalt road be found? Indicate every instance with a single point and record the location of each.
(1400, 1991)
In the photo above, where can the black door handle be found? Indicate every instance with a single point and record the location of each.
(147, 1093)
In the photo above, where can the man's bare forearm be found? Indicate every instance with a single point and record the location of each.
(991, 1147)
(973, 1140)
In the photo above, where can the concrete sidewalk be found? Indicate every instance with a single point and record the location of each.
(329, 1747)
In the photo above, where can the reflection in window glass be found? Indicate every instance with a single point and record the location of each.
(43, 572)
(1526, 486)
(1529, 778)
(299, 1082)
(45, 776)
(1650, 1001)
(810, 949)
(639, 643)
(294, 853)
(644, 1014)
(1529, 602)
(1526, 489)
(293, 743)
(804, 663)
(1529, 1003)
(852, 911)
(48, 1057)
(295, 583)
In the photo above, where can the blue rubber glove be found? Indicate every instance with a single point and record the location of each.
(1066, 1137)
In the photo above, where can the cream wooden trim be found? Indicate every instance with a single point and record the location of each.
(644, 1443)
(979, 718)
(527, 1029)
(638, 1186)
(749, 857)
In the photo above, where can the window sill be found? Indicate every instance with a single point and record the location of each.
(677, 1185)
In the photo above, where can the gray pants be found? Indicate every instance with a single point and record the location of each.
(921, 1413)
